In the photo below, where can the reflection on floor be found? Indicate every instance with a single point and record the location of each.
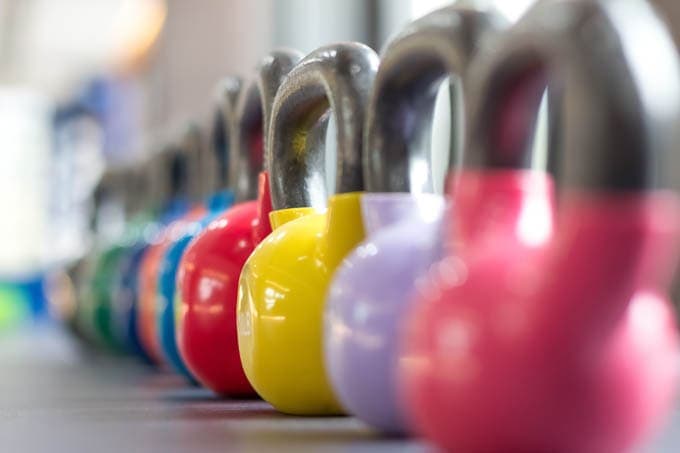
(55, 398)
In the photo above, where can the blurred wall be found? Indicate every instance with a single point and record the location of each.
(670, 9)
(308, 24)
(202, 42)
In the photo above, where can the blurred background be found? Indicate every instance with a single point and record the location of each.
(90, 83)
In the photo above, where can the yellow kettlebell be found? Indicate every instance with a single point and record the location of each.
(283, 284)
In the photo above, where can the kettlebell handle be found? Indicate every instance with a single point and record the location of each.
(198, 176)
(336, 77)
(401, 107)
(112, 187)
(223, 127)
(253, 113)
(620, 116)
(157, 171)
(178, 173)
(137, 186)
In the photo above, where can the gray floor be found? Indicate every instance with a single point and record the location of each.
(54, 399)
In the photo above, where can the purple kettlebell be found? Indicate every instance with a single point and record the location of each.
(371, 289)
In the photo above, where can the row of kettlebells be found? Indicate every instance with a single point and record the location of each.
(498, 317)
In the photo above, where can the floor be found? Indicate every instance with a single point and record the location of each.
(54, 398)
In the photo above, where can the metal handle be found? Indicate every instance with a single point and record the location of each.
(193, 149)
(138, 187)
(622, 98)
(253, 113)
(338, 77)
(222, 130)
(113, 197)
(401, 108)
(155, 173)
(164, 175)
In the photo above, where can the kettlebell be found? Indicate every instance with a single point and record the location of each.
(138, 217)
(371, 288)
(186, 176)
(217, 200)
(111, 261)
(556, 336)
(109, 226)
(150, 190)
(69, 288)
(283, 284)
(146, 190)
(208, 272)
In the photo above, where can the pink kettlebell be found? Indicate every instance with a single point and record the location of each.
(548, 328)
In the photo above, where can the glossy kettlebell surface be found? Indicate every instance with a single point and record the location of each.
(279, 317)
(148, 286)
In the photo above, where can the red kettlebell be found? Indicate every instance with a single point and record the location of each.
(531, 337)
(207, 279)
